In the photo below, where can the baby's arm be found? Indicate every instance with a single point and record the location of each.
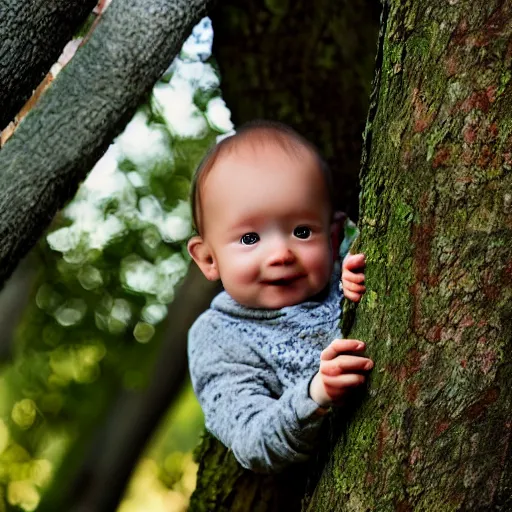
(352, 277)
(339, 372)
(266, 433)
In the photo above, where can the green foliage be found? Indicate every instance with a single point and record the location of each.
(108, 268)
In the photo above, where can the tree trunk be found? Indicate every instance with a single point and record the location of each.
(89, 103)
(307, 64)
(223, 486)
(434, 432)
(33, 34)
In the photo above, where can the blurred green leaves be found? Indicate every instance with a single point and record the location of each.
(107, 269)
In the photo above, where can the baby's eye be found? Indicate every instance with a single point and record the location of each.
(302, 232)
(249, 239)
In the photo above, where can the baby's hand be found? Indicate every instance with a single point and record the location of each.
(339, 372)
(352, 277)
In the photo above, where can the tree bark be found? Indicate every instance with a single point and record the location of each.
(434, 432)
(223, 486)
(88, 104)
(33, 34)
(307, 64)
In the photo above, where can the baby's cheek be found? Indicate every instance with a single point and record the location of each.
(319, 261)
(244, 271)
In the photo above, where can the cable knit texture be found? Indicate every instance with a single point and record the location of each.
(251, 370)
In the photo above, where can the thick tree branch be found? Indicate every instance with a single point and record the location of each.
(33, 34)
(88, 104)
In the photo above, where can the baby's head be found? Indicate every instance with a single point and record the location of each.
(262, 208)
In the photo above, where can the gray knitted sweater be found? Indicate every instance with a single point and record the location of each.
(251, 370)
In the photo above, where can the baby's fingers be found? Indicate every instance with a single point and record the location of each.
(341, 345)
(350, 380)
(354, 262)
(353, 287)
(352, 277)
(345, 364)
(352, 296)
(353, 292)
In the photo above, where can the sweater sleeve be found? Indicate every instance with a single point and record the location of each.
(265, 433)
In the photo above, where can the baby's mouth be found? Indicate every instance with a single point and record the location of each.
(283, 281)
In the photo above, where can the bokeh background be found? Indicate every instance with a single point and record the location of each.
(84, 316)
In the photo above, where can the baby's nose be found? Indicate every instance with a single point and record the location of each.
(281, 255)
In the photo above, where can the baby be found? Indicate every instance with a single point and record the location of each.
(266, 360)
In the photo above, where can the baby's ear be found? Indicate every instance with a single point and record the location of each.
(202, 255)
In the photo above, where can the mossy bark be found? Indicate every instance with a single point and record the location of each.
(307, 64)
(223, 486)
(76, 119)
(32, 36)
(434, 431)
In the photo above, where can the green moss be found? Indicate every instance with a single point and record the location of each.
(403, 215)
(348, 469)
(278, 7)
(492, 174)
(394, 53)
(371, 299)
(396, 130)
(418, 45)
(435, 137)
(504, 80)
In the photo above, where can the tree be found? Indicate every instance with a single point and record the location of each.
(435, 224)
(436, 205)
(89, 103)
(300, 62)
(76, 166)
(37, 32)
(130, 80)
(433, 432)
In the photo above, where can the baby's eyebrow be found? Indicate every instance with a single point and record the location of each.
(249, 222)
(241, 230)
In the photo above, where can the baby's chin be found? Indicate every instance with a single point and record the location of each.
(277, 298)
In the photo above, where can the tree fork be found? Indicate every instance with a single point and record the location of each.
(434, 433)
(89, 103)
(33, 34)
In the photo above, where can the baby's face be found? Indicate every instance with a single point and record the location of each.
(267, 225)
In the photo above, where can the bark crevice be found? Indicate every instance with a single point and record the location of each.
(33, 35)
